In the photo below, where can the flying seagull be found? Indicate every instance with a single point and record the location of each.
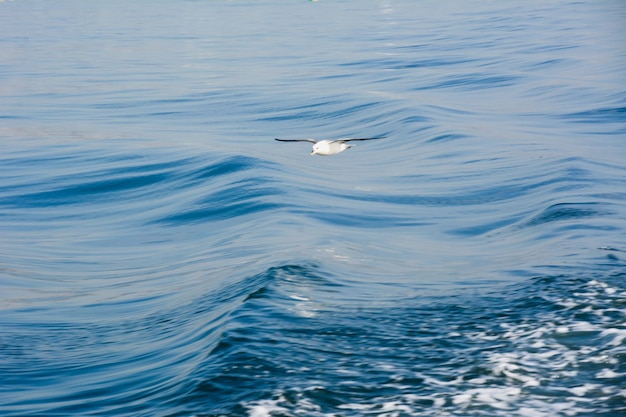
(328, 147)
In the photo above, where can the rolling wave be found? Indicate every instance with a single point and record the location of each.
(281, 335)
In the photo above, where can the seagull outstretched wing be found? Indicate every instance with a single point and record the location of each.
(296, 140)
(355, 139)
(330, 140)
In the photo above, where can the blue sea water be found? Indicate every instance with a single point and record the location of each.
(162, 255)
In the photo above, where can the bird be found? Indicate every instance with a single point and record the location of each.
(328, 147)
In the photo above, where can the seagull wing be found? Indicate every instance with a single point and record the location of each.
(296, 140)
(355, 139)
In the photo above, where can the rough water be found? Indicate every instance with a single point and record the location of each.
(162, 255)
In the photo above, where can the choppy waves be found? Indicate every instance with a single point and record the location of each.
(548, 348)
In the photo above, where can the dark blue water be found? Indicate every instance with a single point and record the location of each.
(162, 255)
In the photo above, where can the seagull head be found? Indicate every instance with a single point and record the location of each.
(316, 149)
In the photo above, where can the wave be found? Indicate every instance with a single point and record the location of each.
(162, 255)
(331, 327)
(285, 341)
(496, 357)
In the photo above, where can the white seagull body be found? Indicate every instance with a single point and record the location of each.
(328, 147)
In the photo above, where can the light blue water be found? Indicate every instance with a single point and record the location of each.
(162, 255)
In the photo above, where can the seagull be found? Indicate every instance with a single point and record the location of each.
(328, 147)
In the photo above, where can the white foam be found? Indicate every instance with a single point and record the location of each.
(265, 408)
(607, 373)
(395, 406)
(582, 390)
(501, 398)
(360, 407)
(541, 351)
(619, 336)
(530, 412)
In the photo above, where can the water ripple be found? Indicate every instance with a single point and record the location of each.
(162, 255)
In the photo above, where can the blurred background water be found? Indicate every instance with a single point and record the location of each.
(162, 255)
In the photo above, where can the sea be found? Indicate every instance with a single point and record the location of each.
(161, 255)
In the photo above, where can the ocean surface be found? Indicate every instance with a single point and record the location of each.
(161, 255)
